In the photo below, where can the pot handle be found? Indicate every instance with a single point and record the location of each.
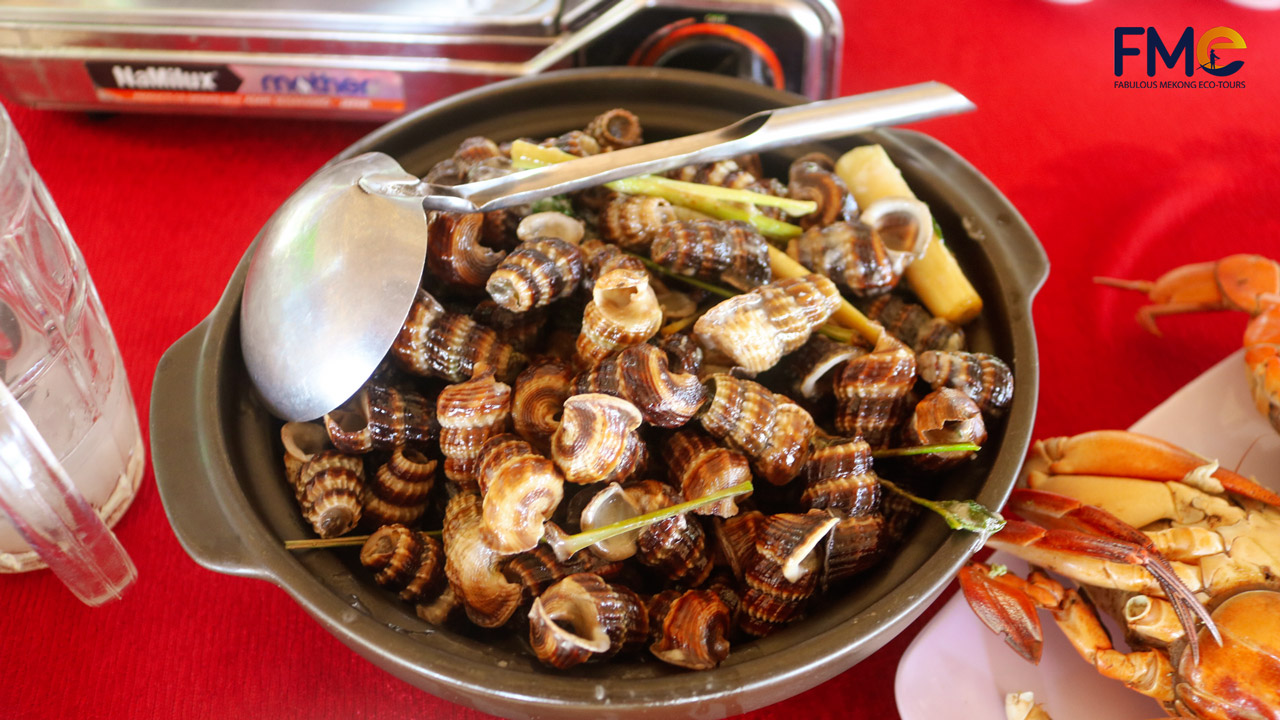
(195, 513)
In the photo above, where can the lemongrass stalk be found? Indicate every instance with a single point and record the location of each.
(337, 542)
(695, 282)
(710, 200)
(925, 450)
(565, 546)
(959, 514)
(837, 333)
(676, 326)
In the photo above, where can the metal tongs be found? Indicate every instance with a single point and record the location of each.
(339, 264)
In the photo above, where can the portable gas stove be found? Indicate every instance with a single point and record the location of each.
(377, 59)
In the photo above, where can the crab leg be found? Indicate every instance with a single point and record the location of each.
(1118, 453)
(1078, 529)
(1007, 605)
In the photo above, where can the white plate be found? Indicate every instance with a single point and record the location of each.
(956, 668)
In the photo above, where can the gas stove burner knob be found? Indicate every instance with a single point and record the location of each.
(712, 47)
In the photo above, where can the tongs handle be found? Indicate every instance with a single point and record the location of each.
(761, 131)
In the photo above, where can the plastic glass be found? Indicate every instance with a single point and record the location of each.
(71, 452)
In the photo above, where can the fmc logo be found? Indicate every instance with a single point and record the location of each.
(1205, 54)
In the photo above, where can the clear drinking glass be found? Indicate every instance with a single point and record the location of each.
(71, 452)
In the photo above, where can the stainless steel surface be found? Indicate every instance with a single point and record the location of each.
(328, 288)
(337, 270)
(759, 132)
(435, 47)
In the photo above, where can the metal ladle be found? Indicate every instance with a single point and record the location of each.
(339, 264)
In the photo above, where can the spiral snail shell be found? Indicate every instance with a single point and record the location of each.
(301, 440)
(454, 252)
(535, 274)
(629, 221)
(641, 375)
(757, 328)
(398, 491)
(945, 416)
(812, 179)
(616, 129)
(330, 491)
(692, 628)
(783, 572)
(774, 433)
(469, 414)
(583, 618)
(538, 400)
(729, 251)
(623, 312)
(913, 324)
(702, 467)
(472, 566)
(872, 391)
(676, 547)
(597, 440)
(539, 569)
(381, 417)
(409, 562)
(986, 379)
(839, 477)
(520, 489)
(521, 330)
(849, 253)
(434, 342)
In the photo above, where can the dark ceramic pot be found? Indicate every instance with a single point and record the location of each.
(217, 456)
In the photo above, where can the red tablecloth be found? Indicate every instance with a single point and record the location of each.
(1124, 182)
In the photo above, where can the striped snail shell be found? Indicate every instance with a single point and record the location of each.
(902, 226)
(574, 142)
(676, 547)
(784, 570)
(538, 400)
(474, 150)
(692, 628)
(599, 258)
(913, 324)
(736, 539)
(454, 252)
(434, 342)
(641, 375)
(330, 492)
(469, 414)
(398, 492)
(946, 416)
(616, 129)
(986, 379)
(774, 433)
(811, 369)
(409, 562)
(301, 440)
(437, 611)
(623, 312)
(856, 543)
(472, 566)
(597, 440)
(872, 391)
(629, 221)
(381, 417)
(522, 330)
(757, 328)
(583, 618)
(848, 253)
(702, 467)
(684, 354)
(721, 173)
(539, 569)
(521, 490)
(814, 180)
(730, 251)
(535, 274)
(840, 478)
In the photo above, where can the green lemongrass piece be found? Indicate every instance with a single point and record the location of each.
(925, 450)
(566, 545)
(525, 155)
(837, 333)
(337, 542)
(959, 514)
(695, 282)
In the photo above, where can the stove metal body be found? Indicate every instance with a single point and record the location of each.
(328, 58)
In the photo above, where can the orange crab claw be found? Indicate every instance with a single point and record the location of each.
(1187, 289)
(1245, 279)
(1118, 453)
(1003, 604)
